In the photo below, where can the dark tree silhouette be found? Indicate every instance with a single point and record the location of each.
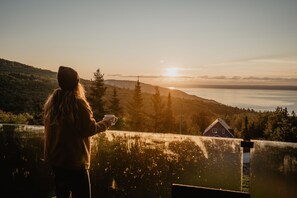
(136, 114)
(169, 121)
(158, 107)
(116, 109)
(97, 91)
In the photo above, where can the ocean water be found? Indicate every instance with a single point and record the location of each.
(257, 99)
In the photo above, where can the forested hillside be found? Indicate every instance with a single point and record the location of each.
(24, 89)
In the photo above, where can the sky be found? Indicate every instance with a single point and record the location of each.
(166, 42)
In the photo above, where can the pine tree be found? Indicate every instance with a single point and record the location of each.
(135, 110)
(246, 132)
(115, 106)
(201, 121)
(116, 109)
(97, 91)
(168, 115)
(158, 106)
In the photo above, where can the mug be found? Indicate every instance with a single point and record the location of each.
(111, 116)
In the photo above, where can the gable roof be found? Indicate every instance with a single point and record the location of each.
(222, 122)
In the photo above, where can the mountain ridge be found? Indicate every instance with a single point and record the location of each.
(25, 88)
(148, 88)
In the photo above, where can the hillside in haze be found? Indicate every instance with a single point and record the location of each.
(147, 88)
(25, 88)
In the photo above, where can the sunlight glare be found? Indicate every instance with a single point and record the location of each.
(171, 72)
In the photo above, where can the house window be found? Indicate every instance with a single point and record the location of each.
(214, 130)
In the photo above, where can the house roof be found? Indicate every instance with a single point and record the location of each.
(222, 122)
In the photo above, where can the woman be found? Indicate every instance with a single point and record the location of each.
(69, 125)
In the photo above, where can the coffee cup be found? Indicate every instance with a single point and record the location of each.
(111, 117)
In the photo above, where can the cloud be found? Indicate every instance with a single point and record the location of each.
(222, 77)
(275, 61)
(149, 76)
(227, 63)
(272, 59)
(246, 78)
(269, 78)
(236, 77)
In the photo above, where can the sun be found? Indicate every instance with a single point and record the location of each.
(171, 72)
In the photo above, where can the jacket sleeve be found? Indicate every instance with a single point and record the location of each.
(89, 126)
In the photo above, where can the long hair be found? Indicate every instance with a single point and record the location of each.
(63, 105)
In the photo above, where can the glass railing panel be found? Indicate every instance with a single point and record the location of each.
(124, 164)
(273, 169)
(146, 164)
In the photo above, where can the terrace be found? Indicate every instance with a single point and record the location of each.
(136, 164)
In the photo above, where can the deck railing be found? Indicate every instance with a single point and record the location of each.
(138, 164)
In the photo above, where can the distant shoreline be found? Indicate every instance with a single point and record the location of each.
(261, 98)
(267, 87)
